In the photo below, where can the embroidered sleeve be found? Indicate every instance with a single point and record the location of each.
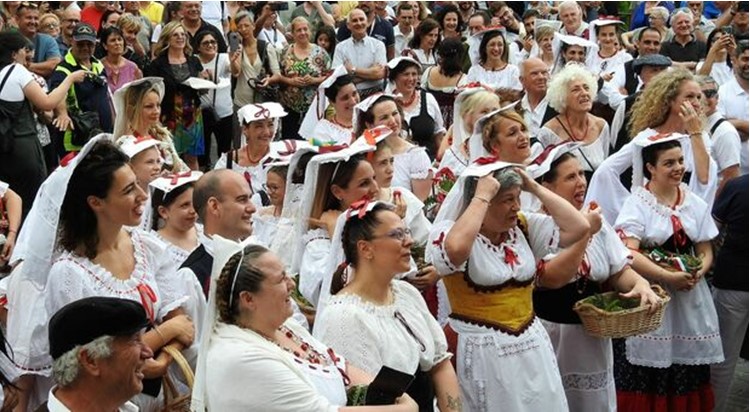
(435, 250)
(351, 335)
(543, 234)
(438, 343)
(66, 284)
(617, 253)
(631, 221)
(312, 268)
(419, 164)
(171, 291)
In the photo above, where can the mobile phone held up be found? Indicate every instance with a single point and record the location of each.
(234, 42)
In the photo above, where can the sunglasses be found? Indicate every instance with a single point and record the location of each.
(208, 43)
(710, 93)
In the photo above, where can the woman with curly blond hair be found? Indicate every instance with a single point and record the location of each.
(571, 93)
(671, 103)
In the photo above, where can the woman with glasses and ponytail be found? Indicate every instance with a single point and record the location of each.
(377, 320)
(250, 334)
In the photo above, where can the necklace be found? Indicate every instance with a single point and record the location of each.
(253, 161)
(573, 136)
(407, 103)
(342, 124)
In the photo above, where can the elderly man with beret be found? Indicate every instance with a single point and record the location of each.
(98, 355)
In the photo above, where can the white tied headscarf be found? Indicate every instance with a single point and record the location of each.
(118, 100)
(222, 249)
(476, 147)
(316, 111)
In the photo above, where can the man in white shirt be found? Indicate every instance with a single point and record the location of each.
(403, 32)
(733, 99)
(363, 56)
(99, 355)
(216, 14)
(534, 75)
(725, 141)
(571, 15)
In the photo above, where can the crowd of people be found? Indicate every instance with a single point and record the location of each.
(290, 200)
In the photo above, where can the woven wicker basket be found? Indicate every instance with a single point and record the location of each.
(624, 323)
(173, 400)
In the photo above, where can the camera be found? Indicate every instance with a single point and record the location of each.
(97, 80)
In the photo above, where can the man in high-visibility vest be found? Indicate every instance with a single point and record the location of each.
(91, 95)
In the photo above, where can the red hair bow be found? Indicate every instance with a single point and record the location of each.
(360, 206)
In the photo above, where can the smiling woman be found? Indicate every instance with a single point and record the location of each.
(100, 198)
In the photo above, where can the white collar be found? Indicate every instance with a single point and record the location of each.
(712, 119)
(54, 404)
(734, 87)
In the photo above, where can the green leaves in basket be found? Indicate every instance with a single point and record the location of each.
(355, 395)
(683, 262)
(612, 302)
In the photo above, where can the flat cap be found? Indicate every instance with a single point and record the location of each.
(656, 60)
(85, 320)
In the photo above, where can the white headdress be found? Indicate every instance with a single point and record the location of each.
(326, 154)
(37, 242)
(591, 49)
(222, 250)
(131, 145)
(118, 100)
(454, 204)
(642, 141)
(476, 147)
(542, 163)
(317, 109)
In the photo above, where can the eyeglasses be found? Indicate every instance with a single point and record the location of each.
(208, 43)
(655, 18)
(270, 189)
(51, 26)
(399, 234)
(710, 93)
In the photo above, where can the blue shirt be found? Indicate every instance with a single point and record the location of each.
(45, 48)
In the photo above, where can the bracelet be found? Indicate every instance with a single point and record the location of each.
(163, 339)
(482, 199)
(691, 134)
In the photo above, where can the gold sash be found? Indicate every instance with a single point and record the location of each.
(506, 307)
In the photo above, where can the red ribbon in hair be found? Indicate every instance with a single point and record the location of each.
(486, 160)
(176, 176)
(360, 206)
(141, 139)
(332, 148)
(680, 238)
(68, 158)
(148, 299)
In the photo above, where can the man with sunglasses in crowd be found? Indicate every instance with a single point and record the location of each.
(47, 53)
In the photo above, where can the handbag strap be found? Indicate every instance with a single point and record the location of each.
(7, 75)
(216, 79)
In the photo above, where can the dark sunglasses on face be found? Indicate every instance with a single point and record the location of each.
(208, 43)
(710, 93)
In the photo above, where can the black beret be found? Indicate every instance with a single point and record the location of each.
(85, 320)
(656, 60)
